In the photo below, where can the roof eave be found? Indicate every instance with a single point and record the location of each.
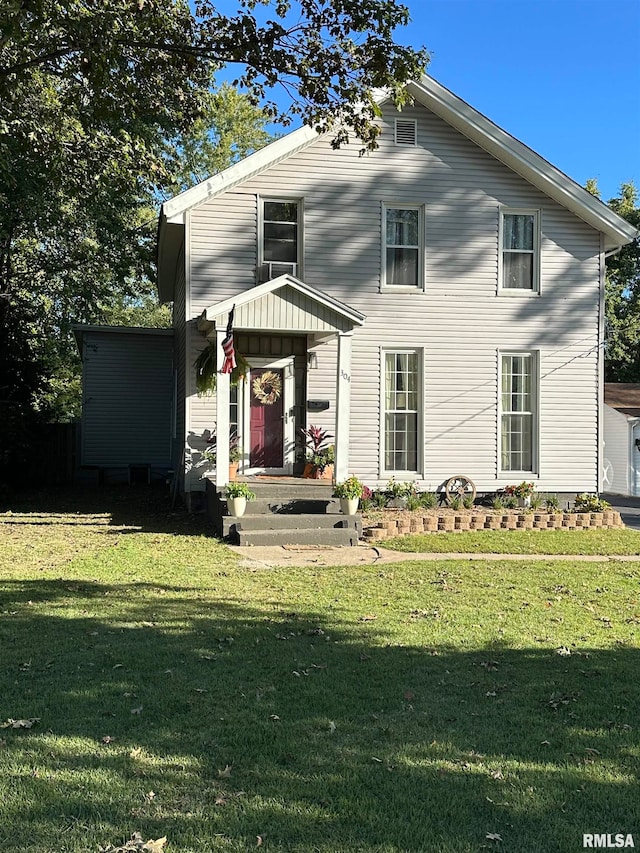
(523, 160)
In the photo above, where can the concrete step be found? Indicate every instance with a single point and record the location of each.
(290, 490)
(293, 506)
(305, 521)
(339, 536)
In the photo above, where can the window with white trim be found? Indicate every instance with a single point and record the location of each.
(403, 246)
(401, 417)
(519, 251)
(518, 411)
(280, 238)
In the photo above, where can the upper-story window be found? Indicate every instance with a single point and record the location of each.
(520, 250)
(280, 239)
(403, 247)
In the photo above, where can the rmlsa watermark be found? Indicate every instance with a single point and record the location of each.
(603, 839)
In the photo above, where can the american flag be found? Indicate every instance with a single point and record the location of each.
(227, 346)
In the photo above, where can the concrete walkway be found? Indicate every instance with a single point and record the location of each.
(299, 555)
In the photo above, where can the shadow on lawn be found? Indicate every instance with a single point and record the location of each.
(336, 741)
(141, 508)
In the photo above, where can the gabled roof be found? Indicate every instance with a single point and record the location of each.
(453, 110)
(304, 308)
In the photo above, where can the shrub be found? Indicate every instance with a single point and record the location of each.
(428, 500)
(552, 503)
(497, 502)
(379, 499)
(401, 490)
(455, 502)
(467, 501)
(511, 502)
(590, 503)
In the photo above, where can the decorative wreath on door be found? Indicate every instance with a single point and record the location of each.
(267, 387)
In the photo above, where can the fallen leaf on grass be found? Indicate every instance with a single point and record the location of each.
(493, 836)
(274, 717)
(563, 651)
(258, 841)
(332, 727)
(20, 724)
(591, 751)
(135, 753)
(156, 846)
(409, 695)
(489, 665)
(370, 617)
(137, 710)
(226, 773)
(108, 739)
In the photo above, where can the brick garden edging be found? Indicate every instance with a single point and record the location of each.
(448, 522)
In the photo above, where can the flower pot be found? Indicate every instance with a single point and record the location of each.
(526, 501)
(233, 470)
(349, 506)
(325, 474)
(309, 471)
(237, 506)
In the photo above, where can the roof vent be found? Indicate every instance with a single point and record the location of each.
(406, 132)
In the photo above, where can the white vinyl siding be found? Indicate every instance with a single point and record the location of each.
(457, 321)
(518, 412)
(519, 251)
(403, 246)
(402, 404)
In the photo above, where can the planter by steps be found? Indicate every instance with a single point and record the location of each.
(349, 506)
(237, 506)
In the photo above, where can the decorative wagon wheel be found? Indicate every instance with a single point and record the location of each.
(459, 487)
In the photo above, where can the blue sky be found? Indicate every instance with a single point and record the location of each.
(563, 76)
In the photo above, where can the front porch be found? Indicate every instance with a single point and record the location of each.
(280, 328)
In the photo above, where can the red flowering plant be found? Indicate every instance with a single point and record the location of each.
(522, 490)
(318, 452)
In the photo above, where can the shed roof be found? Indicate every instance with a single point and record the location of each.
(624, 397)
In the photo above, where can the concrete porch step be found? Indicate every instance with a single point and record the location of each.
(338, 536)
(275, 521)
(287, 505)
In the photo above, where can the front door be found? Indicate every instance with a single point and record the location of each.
(269, 400)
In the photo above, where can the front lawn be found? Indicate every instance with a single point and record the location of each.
(617, 541)
(161, 688)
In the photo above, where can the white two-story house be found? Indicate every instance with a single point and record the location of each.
(436, 305)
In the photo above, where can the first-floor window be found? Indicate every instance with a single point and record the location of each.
(401, 410)
(519, 395)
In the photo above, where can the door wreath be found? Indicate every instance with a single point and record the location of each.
(267, 388)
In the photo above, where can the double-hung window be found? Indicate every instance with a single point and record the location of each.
(401, 410)
(518, 411)
(403, 249)
(519, 251)
(280, 241)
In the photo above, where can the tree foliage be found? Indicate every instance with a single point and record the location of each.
(107, 105)
(622, 294)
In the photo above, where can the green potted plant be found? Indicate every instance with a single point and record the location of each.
(320, 456)
(237, 495)
(522, 492)
(211, 455)
(349, 491)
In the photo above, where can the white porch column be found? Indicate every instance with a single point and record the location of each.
(223, 385)
(343, 406)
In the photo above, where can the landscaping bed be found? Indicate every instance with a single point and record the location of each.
(389, 522)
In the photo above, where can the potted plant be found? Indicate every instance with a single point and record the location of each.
(237, 496)
(320, 456)
(522, 492)
(210, 453)
(349, 491)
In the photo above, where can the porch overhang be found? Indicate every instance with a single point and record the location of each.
(283, 304)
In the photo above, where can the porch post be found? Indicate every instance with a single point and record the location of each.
(222, 414)
(343, 405)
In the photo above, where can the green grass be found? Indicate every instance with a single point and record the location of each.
(369, 709)
(617, 541)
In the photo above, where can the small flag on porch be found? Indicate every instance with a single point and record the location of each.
(227, 346)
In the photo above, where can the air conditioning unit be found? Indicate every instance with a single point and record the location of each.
(272, 269)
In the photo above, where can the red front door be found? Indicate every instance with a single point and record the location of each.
(266, 423)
